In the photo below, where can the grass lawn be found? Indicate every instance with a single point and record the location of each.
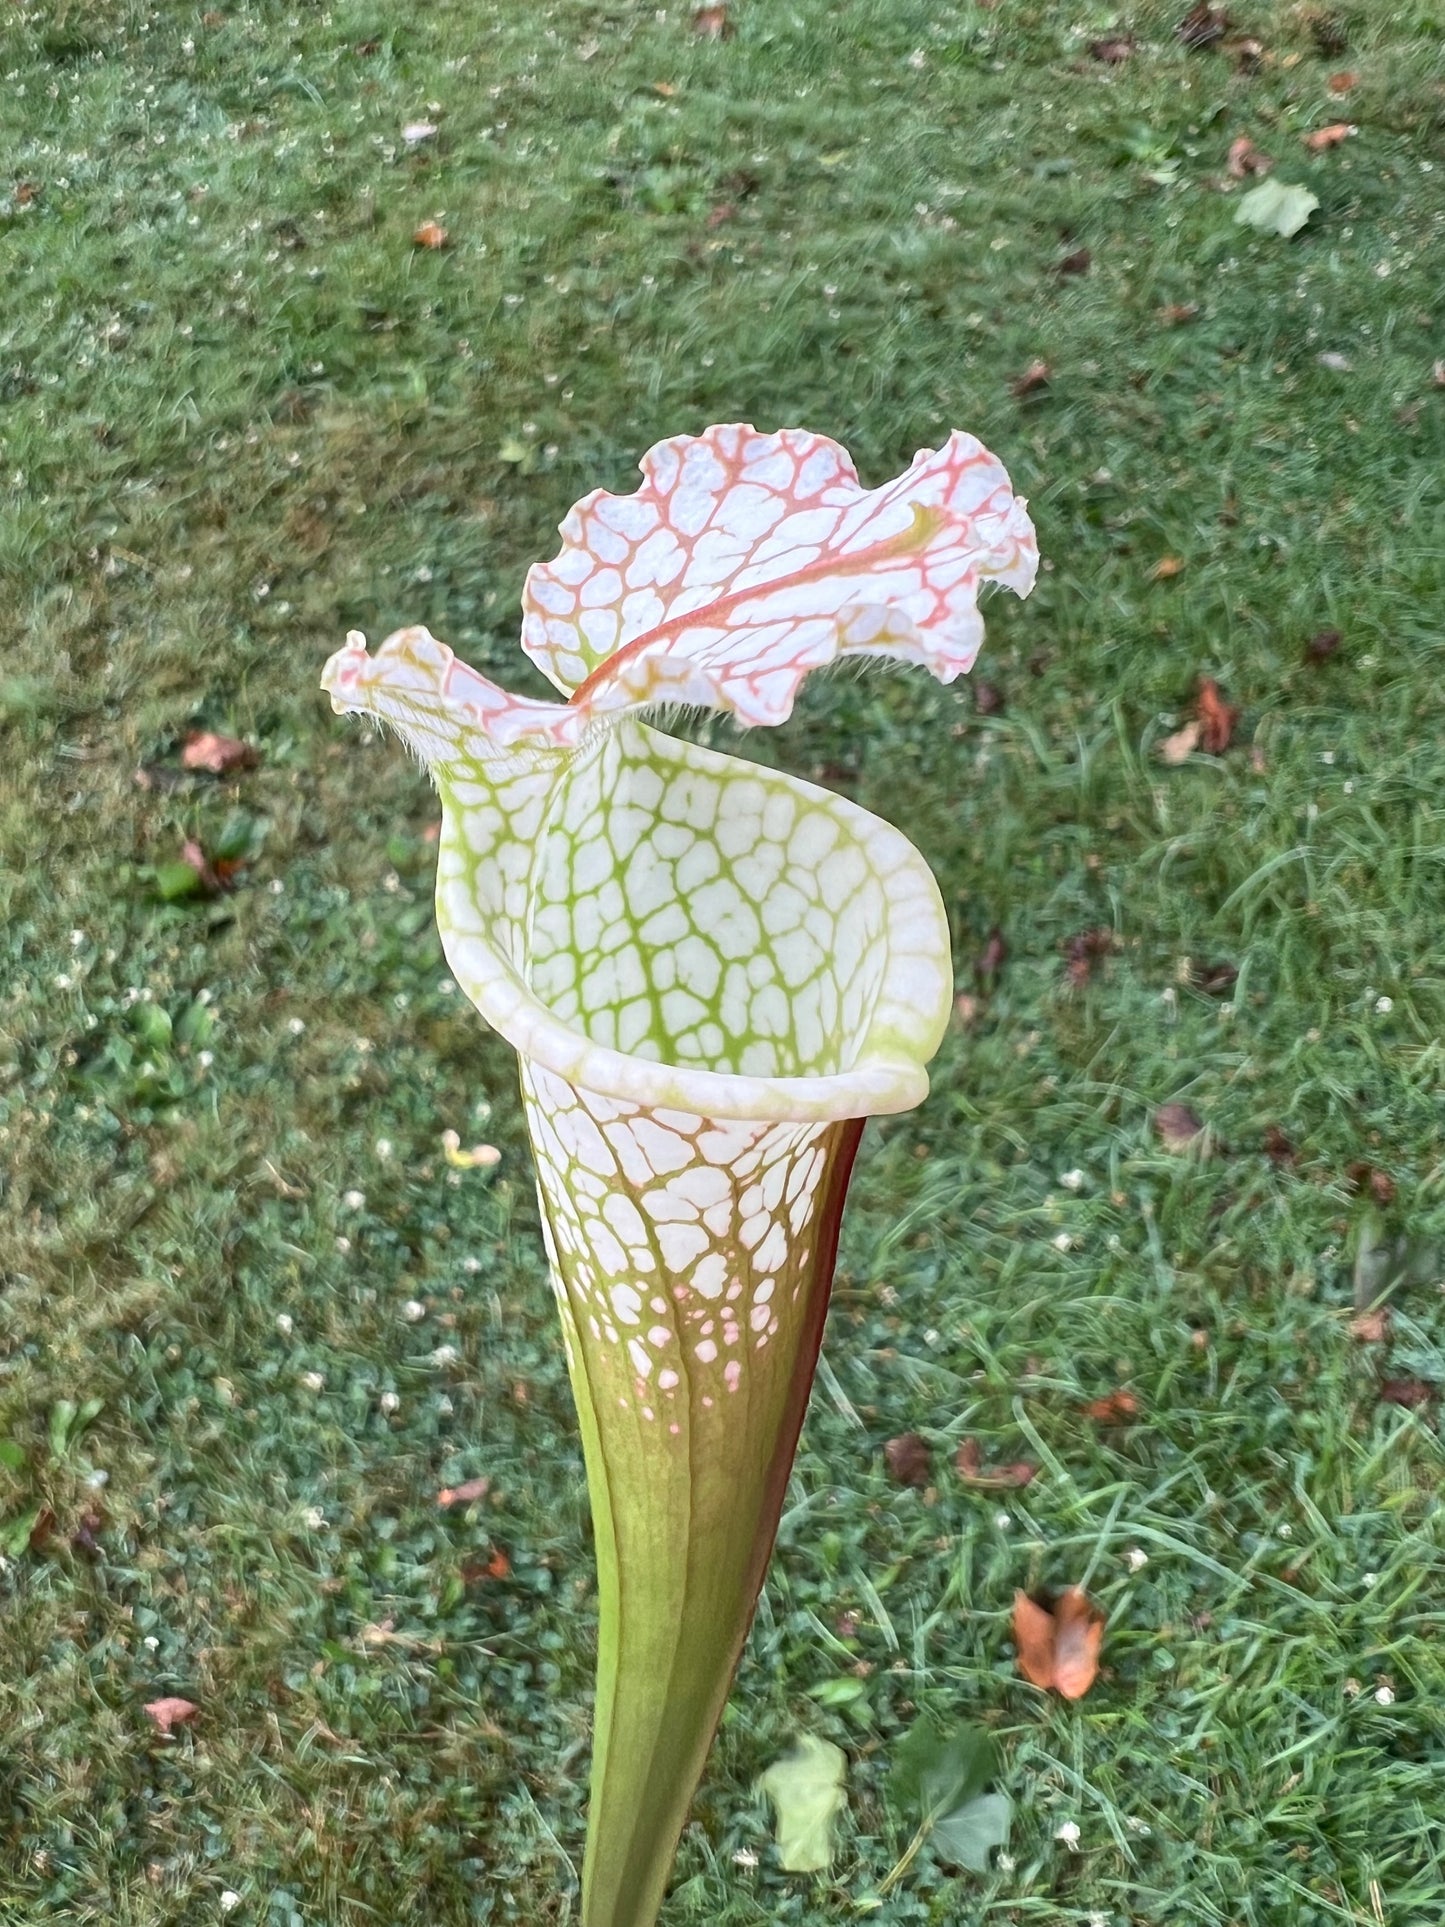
(251, 1321)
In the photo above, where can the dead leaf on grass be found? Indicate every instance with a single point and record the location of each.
(464, 1493)
(1364, 1176)
(1178, 314)
(1343, 83)
(1246, 159)
(1079, 262)
(431, 234)
(1177, 1126)
(218, 755)
(1114, 1408)
(1324, 138)
(1202, 26)
(1037, 375)
(1113, 50)
(988, 698)
(1179, 747)
(1322, 645)
(1082, 951)
(991, 1478)
(908, 1459)
(1214, 978)
(1412, 1393)
(1277, 1147)
(1059, 1649)
(1166, 568)
(1371, 1327)
(713, 23)
(992, 958)
(170, 1712)
(1216, 718)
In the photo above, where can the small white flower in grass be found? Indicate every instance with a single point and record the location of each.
(62, 981)
(444, 1355)
(343, 1245)
(354, 1200)
(1383, 1006)
(384, 1148)
(1063, 1241)
(1137, 1558)
(1005, 1863)
(1072, 1180)
(1068, 1833)
(413, 1311)
(285, 1323)
(230, 1900)
(77, 938)
(315, 1518)
(314, 1381)
(1384, 1696)
(277, 887)
(471, 1266)
(445, 1406)
(295, 1025)
(418, 130)
(205, 1058)
(1003, 1520)
(446, 987)
(1368, 1579)
(745, 1857)
(1098, 1919)
(389, 1403)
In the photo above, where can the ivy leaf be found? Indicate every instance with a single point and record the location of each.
(1276, 207)
(806, 1789)
(966, 1837)
(936, 1772)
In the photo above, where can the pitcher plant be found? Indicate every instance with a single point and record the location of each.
(713, 973)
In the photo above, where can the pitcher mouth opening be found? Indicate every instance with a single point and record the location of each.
(679, 929)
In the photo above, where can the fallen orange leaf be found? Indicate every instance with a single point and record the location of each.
(1114, 1408)
(712, 23)
(1166, 568)
(218, 755)
(462, 1494)
(1246, 158)
(170, 1712)
(1342, 83)
(1179, 747)
(1330, 136)
(1059, 1650)
(431, 234)
(1216, 718)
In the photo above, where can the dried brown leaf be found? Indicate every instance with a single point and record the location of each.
(1371, 1327)
(1114, 1408)
(1177, 1126)
(991, 1478)
(1079, 262)
(170, 1712)
(1083, 949)
(1113, 50)
(1216, 718)
(988, 698)
(1246, 159)
(992, 958)
(464, 1493)
(1322, 645)
(1166, 568)
(219, 755)
(1179, 747)
(431, 234)
(908, 1459)
(1343, 83)
(1412, 1393)
(1059, 1650)
(1037, 375)
(1331, 136)
(1202, 26)
(1178, 314)
(713, 23)
(1365, 1176)
(1277, 1147)
(1214, 978)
